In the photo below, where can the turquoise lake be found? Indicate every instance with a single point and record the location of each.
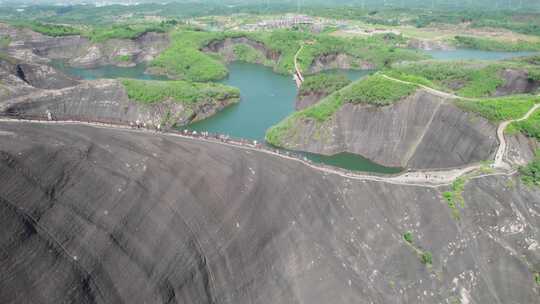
(267, 98)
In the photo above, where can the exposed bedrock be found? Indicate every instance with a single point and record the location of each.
(308, 99)
(105, 101)
(91, 215)
(422, 131)
(18, 78)
(226, 47)
(79, 51)
(516, 82)
(338, 61)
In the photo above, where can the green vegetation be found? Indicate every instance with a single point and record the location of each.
(126, 31)
(122, 58)
(183, 59)
(149, 92)
(408, 237)
(537, 278)
(530, 174)
(427, 258)
(323, 83)
(98, 33)
(54, 30)
(5, 41)
(530, 127)
(455, 196)
(244, 52)
(375, 90)
(495, 45)
(465, 78)
(499, 109)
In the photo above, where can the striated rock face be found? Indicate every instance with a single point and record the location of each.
(516, 82)
(17, 78)
(91, 215)
(338, 61)
(422, 131)
(79, 51)
(33, 91)
(226, 48)
(105, 101)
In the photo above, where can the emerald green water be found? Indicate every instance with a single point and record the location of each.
(267, 98)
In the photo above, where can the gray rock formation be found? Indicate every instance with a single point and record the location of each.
(79, 51)
(516, 82)
(33, 91)
(422, 131)
(338, 61)
(225, 47)
(91, 215)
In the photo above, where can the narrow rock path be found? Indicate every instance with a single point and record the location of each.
(432, 179)
(298, 73)
(501, 151)
(431, 90)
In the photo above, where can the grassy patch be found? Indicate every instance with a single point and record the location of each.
(495, 45)
(465, 78)
(377, 90)
(126, 31)
(183, 59)
(499, 109)
(5, 41)
(537, 278)
(427, 258)
(54, 30)
(454, 198)
(247, 53)
(149, 92)
(408, 237)
(530, 174)
(122, 58)
(323, 83)
(530, 127)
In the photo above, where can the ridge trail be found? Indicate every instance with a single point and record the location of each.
(297, 72)
(432, 179)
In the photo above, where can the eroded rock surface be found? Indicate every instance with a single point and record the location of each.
(422, 131)
(338, 61)
(516, 82)
(78, 51)
(92, 215)
(226, 47)
(38, 91)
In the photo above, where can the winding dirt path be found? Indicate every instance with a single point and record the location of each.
(431, 90)
(501, 151)
(298, 73)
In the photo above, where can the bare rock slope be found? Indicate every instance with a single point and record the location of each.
(421, 131)
(90, 215)
(34, 91)
(79, 51)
